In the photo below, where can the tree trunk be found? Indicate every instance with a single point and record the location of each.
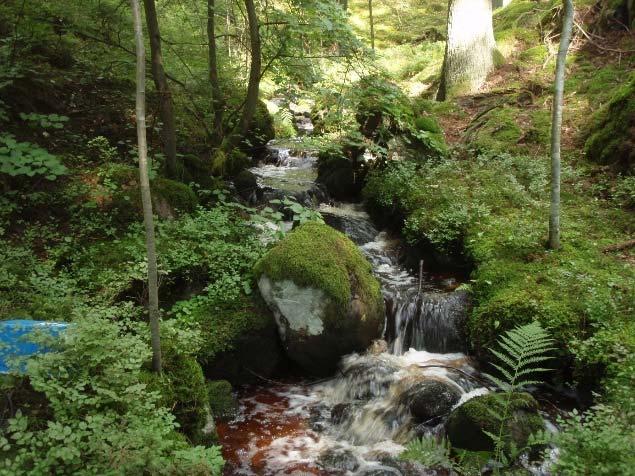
(470, 48)
(166, 108)
(500, 3)
(217, 96)
(344, 4)
(372, 24)
(146, 199)
(253, 87)
(556, 124)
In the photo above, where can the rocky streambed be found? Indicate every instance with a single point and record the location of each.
(408, 383)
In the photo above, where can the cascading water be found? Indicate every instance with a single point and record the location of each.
(357, 422)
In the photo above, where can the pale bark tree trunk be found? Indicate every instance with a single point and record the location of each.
(372, 24)
(146, 199)
(470, 48)
(556, 125)
(217, 96)
(500, 3)
(253, 86)
(166, 108)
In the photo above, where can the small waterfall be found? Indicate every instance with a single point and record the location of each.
(429, 320)
(426, 321)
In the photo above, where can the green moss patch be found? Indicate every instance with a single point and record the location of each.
(612, 140)
(316, 255)
(221, 398)
(467, 424)
(494, 209)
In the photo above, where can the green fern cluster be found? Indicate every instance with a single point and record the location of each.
(521, 351)
(429, 452)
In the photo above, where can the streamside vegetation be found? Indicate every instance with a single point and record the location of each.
(466, 128)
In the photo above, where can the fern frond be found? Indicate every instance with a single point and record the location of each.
(496, 381)
(519, 351)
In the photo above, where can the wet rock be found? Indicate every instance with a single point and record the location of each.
(323, 295)
(433, 428)
(379, 346)
(341, 412)
(318, 417)
(358, 229)
(467, 424)
(246, 186)
(430, 399)
(338, 459)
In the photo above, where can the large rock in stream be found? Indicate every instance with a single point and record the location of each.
(468, 423)
(325, 299)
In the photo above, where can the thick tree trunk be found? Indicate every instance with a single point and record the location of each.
(470, 48)
(556, 125)
(146, 199)
(253, 87)
(217, 96)
(500, 3)
(371, 20)
(166, 108)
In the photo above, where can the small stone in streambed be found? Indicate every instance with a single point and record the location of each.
(318, 417)
(338, 459)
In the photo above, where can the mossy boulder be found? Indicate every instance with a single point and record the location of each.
(468, 423)
(169, 197)
(222, 402)
(611, 139)
(325, 299)
(240, 340)
(246, 185)
(338, 172)
(382, 109)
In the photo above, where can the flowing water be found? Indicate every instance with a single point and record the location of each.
(357, 422)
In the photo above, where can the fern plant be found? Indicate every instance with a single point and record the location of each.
(521, 352)
(429, 452)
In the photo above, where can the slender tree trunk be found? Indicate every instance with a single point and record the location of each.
(470, 49)
(166, 108)
(344, 4)
(556, 125)
(146, 199)
(253, 87)
(371, 20)
(217, 96)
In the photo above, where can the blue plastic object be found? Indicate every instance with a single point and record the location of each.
(15, 341)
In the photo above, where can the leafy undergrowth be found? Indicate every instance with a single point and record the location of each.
(494, 208)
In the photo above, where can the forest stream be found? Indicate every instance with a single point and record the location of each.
(357, 422)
